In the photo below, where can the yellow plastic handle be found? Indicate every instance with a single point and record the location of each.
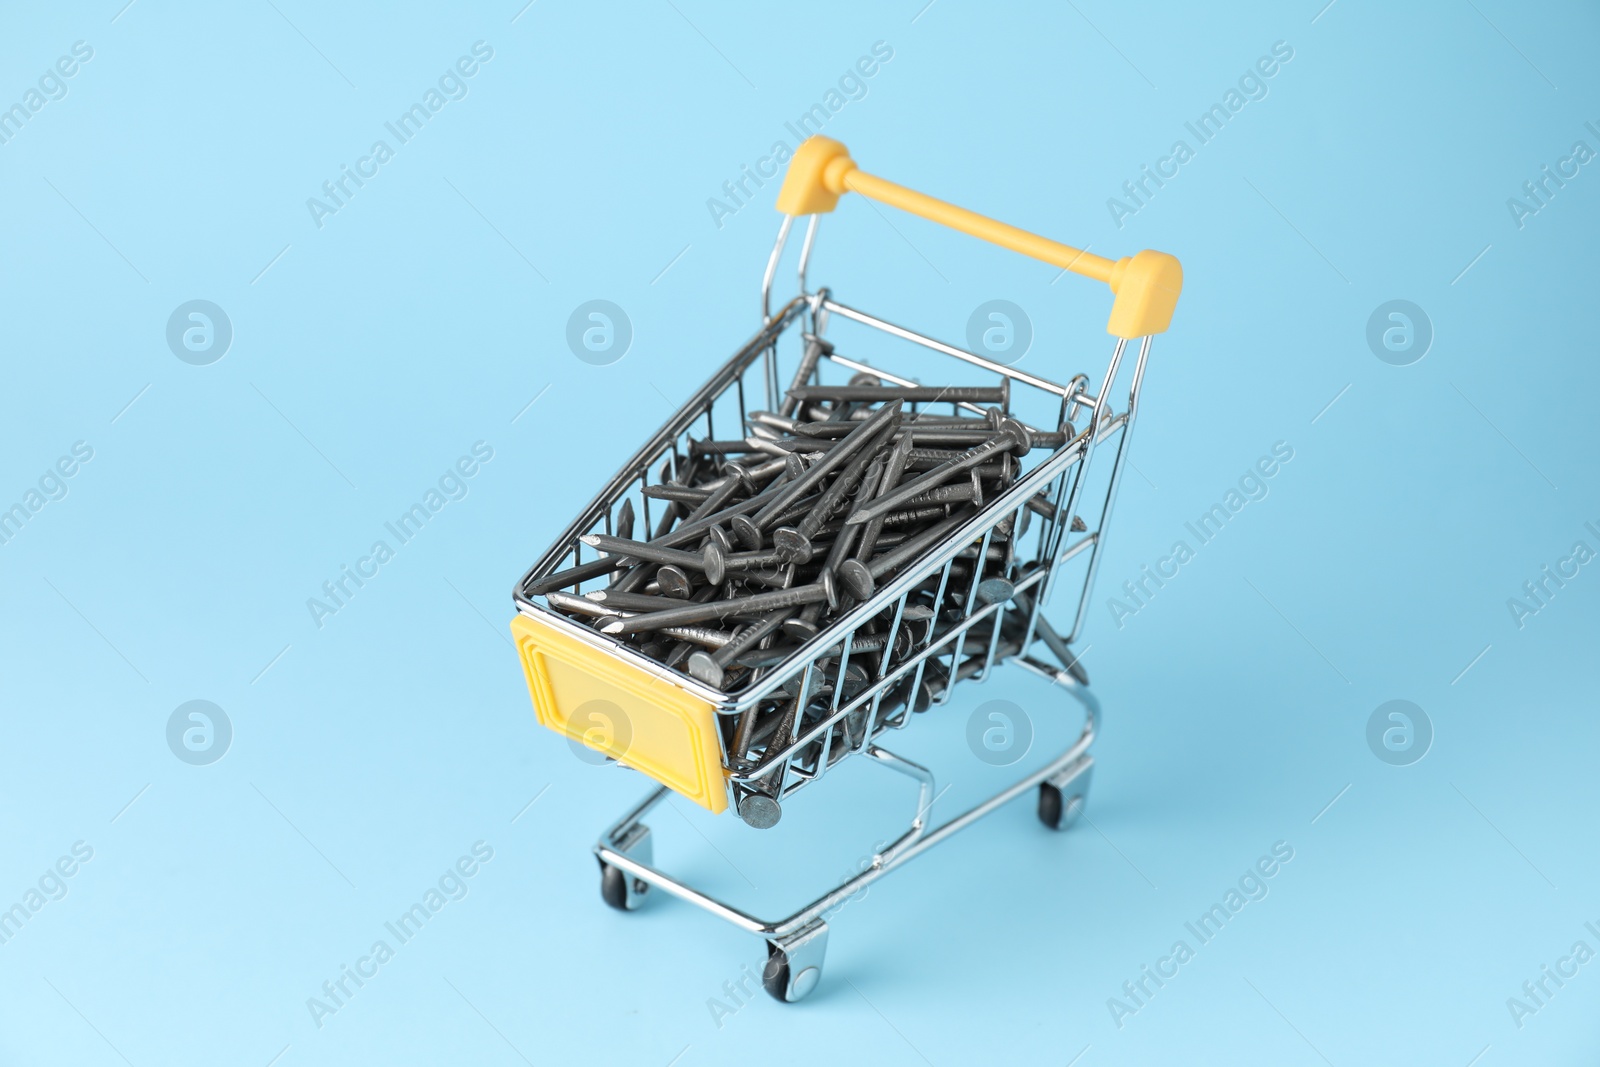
(1146, 285)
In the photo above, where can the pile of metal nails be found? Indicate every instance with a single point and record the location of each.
(768, 539)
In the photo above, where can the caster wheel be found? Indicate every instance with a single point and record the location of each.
(619, 890)
(1058, 811)
(794, 963)
(781, 983)
(775, 975)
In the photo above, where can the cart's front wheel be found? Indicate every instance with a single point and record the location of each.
(1062, 797)
(621, 890)
(794, 963)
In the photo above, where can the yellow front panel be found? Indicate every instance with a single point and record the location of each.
(615, 708)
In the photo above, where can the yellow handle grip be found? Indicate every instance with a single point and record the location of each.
(1146, 285)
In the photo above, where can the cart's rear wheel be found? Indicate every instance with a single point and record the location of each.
(619, 889)
(1063, 794)
(1058, 808)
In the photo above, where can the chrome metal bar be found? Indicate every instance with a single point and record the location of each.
(772, 268)
(994, 644)
(925, 799)
(769, 367)
(1090, 436)
(1111, 489)
(883, 686)
(967, 608)
(907, 847)
(805, 249)
(888, 376)
(949, 350)
(785, 759)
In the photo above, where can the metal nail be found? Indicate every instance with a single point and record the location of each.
(668, 491)
(709, 667)
(760, 603)
(613, 601)
(815, 349)
(572, 576)
(863, 435)
(795, 542)
(879, 394)
(674, 582)
(971, 492)
(578, 605)
(707, 560)
(1003, 441)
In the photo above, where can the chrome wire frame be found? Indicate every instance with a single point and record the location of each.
(810, 750)
(616, 848)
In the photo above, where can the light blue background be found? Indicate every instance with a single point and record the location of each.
(425, 316)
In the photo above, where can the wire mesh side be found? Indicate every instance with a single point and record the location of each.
(799, 749)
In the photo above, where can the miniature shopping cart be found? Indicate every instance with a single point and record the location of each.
(1045, 529)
